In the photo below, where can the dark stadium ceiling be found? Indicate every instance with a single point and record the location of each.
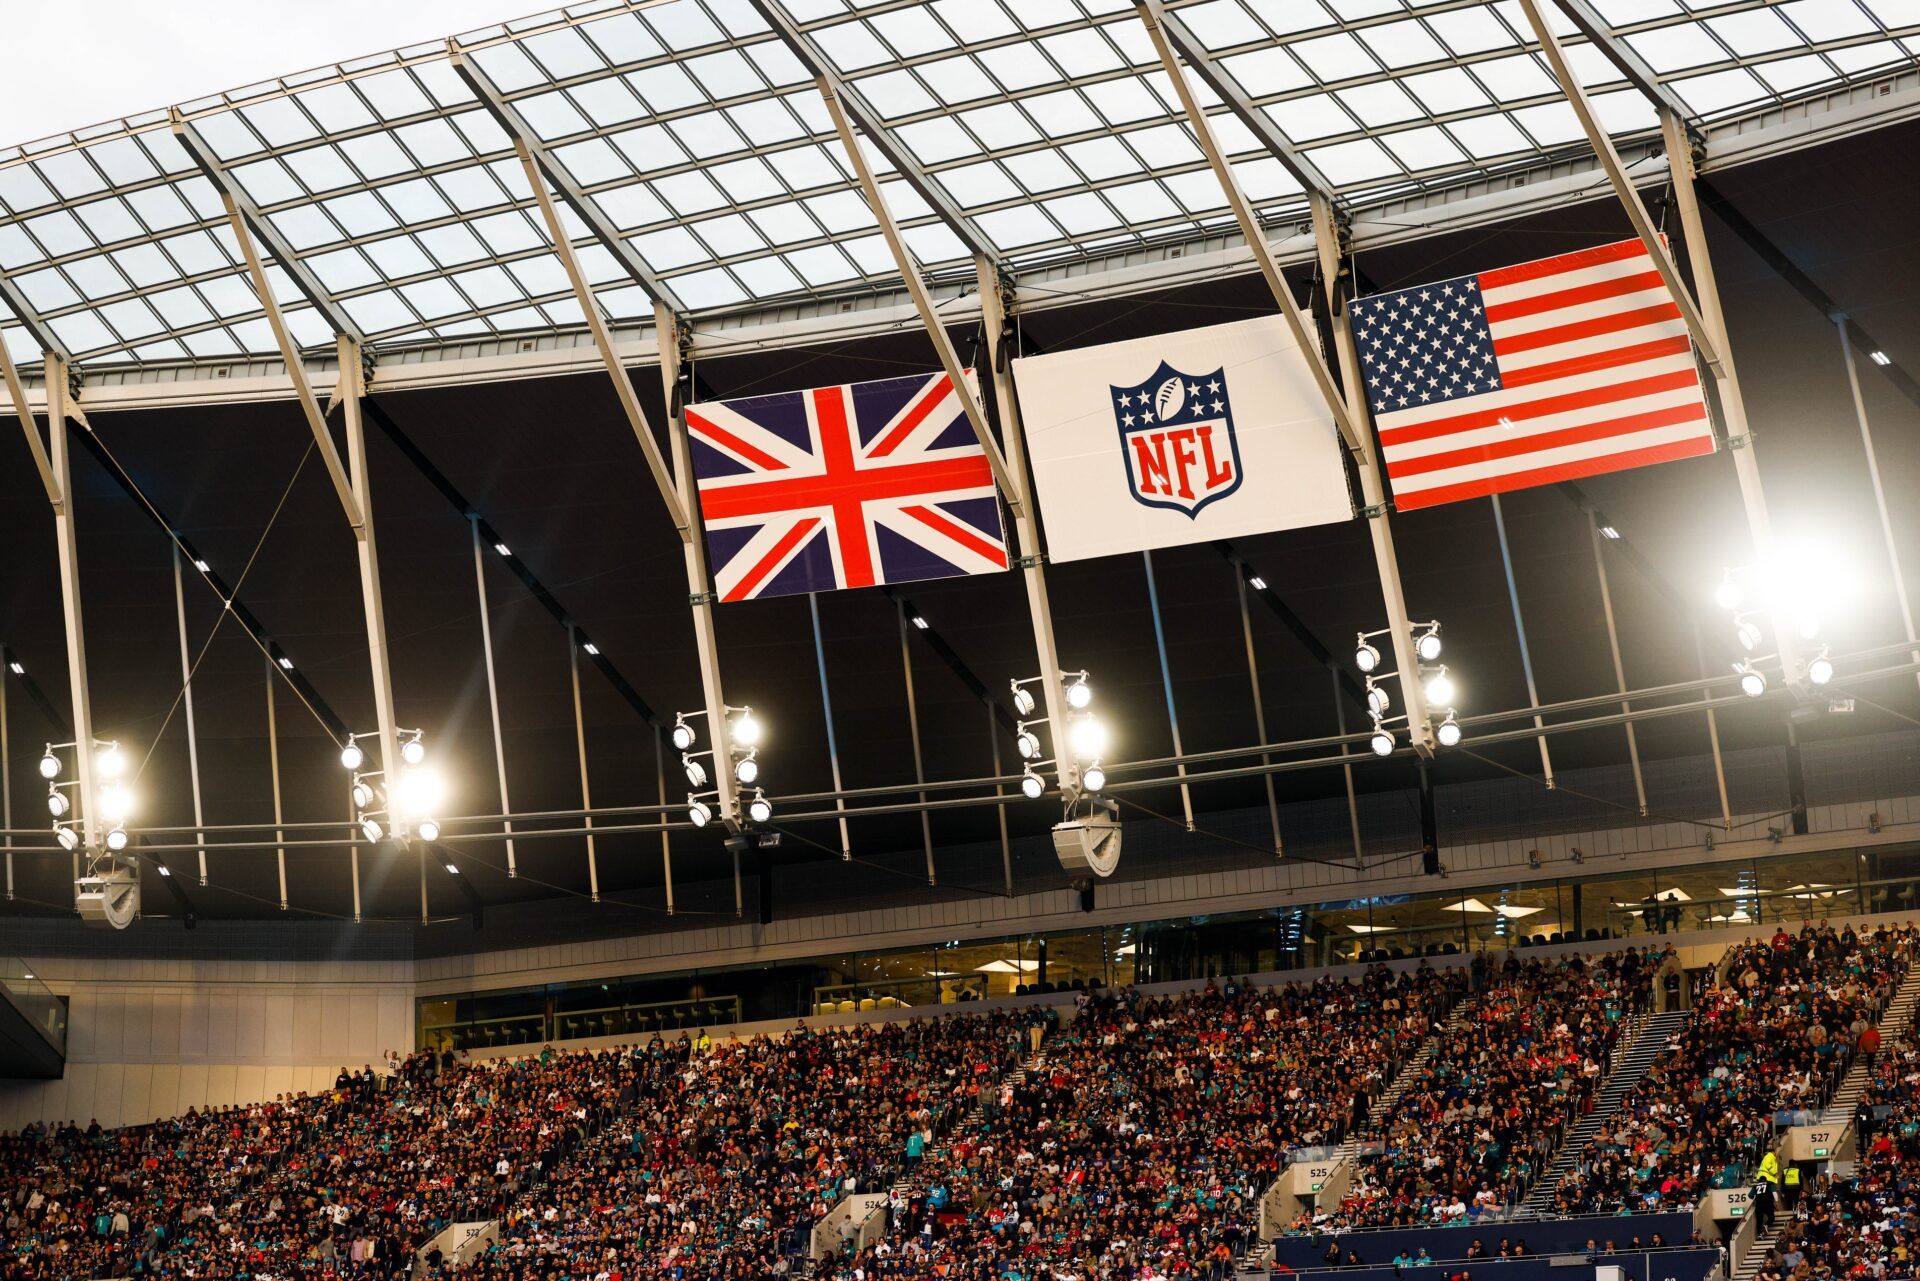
(553, 468)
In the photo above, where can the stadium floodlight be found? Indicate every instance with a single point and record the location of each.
(684, 735)
(110, 761)
(429, 830)
(116, 802)
(1820, 670)
(49, 765)
(1032, 784)
(1748, 633)
(746, 770)
(1088, 737)
(1427, 643)
(1448, 732)
(420, 793)
(1378, 700)
(371, 829)
(695, 771)
(362, 794)
(1094, 777)
(351, 756)
(1365, 656)
(1809, 626)
(56, 802)
(1079, 693)
(413, 751)
(1440, 690)
(698, 814)
(1728, 594)
(117, 839)
(1753, 683)
(1381, 742)
(760, 809)
(1022, 699)
(744, 730)
(68, 838)
(1027, 743)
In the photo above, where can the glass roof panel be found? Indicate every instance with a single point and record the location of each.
(697, 132)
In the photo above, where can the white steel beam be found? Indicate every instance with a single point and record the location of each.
(1623, 187)
(1733, 406)
(1622, 55)
(1152, 13)
(17, 392)
(603, 340)
(509, 118)
(917, 288)
(348, 391)
(67, 540)
(1413, 694)
(699, 592)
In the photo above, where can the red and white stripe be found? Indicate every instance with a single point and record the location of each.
(1597, 375)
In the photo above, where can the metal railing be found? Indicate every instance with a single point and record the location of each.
(633, 1018)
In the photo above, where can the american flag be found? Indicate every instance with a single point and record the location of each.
(849, 486)
(1528, 375)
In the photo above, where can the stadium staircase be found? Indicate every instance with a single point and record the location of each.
(1261, 1253)
(1647, 1037)
(906, 1185)
(1893, 1025)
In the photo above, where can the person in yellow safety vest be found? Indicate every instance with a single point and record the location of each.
(1766, 1184)
(1770, 1169)
(1790, 1187)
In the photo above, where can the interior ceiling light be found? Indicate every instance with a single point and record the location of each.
(1258, 583)
(1880, 358)
(919, 622)
(16, 668)
(201, 565)
(1079, 693)
(1468, 905)
(164, 869)
(592, 649)
(285, 662)
(503, 549)
(1365, 656)
(1608, 531)
(452, 869)
(351, 756)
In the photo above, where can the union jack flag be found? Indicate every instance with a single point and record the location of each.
(848, 486)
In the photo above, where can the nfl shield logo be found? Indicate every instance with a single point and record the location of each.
(1176, 434)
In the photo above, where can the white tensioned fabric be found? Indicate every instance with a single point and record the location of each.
(695, 130)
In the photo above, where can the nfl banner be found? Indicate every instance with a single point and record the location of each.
(849, 486)
(1182, 438)
(1529, 375)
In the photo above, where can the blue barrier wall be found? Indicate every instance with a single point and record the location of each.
(1543, 1236)
(1658, 1265)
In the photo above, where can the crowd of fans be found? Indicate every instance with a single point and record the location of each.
(1866, 1225)
(1471, 1132)
(1765, 1046)
(1141, 1147)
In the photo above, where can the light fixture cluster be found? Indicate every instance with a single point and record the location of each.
(1087, 736)
(743, 758)
(1439, 688)
(416, 795)
(1732, 594)
(112, 797)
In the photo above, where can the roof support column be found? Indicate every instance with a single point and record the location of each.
(348, 393)
(670, 337)
(1152, 14)
(1623, 187)
(67, 538)
(17, 393)
(917, 288)
(1746, 464)
(996, 301)
(1413, 694)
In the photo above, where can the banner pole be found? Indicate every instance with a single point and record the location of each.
(1166, 684)
(1520, 633)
